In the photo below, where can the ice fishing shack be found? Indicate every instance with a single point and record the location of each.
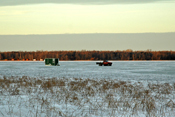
(52, 61)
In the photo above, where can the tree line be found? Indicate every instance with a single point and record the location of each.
(89, 55)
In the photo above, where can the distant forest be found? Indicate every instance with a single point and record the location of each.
(89, 55)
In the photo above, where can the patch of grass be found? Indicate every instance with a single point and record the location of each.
(85, 97)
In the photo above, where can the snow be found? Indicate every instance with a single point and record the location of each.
(85, 89)
(85, 97)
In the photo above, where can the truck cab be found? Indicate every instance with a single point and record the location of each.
(104, 63)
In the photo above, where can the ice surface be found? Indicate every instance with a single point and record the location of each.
(149, 84)
(160, 71)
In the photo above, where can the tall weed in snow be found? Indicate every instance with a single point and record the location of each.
(26, 96)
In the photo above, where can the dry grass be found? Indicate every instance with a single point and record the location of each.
(84, 97)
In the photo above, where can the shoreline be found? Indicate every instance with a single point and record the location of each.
(77, 60)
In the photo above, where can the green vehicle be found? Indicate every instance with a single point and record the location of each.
(52, 62)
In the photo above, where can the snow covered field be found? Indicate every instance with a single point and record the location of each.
(84, 89)
(84, 97)
(161, 71)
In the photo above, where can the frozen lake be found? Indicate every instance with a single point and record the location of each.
(149, 89)
(162, 71)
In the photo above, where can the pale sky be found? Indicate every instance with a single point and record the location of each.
(26, 17)
(111, 16)
(116, 41)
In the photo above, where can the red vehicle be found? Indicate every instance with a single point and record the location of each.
(104, 63)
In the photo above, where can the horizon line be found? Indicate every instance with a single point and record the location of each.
(127, 50)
